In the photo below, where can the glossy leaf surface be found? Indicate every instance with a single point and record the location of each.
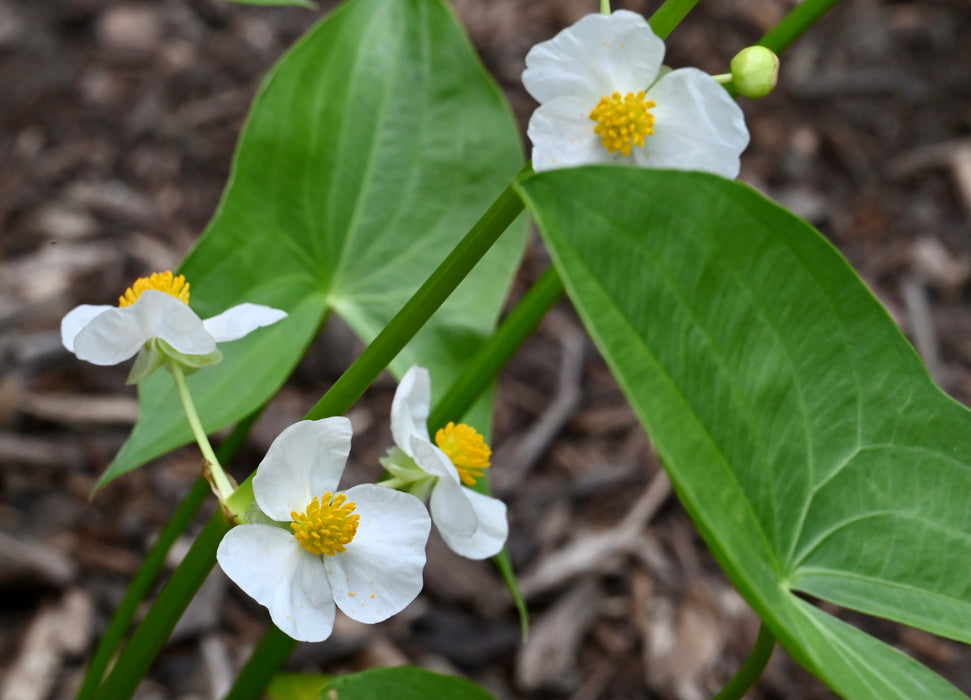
(799, 427)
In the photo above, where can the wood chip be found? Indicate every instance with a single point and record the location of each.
(50, 272)
(219, 670)
(59, 628)
(938, 266)
(594, 552)
(40, 452)
(922, 327)
(24, 560)
(85, 410)
(549, 657)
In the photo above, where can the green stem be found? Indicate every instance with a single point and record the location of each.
(275, 646)
(605, 7)
(168, 607)
(138, 588)
(794, 24)
(270, 654)
(752, 669)
(153, 632)
(154, 561)
(493, 355)
(669, 15)
(224, 489)
(482, 369)
(416, 312)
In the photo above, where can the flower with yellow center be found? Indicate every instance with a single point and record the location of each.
(311, 549)
(466, 449)
(160, 281)
(605, 98)
(154, 321)
(472, 524)
(327, 525)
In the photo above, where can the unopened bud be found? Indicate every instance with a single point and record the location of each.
(755, 71)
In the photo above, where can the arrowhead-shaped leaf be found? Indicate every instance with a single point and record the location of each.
(371, 148)
(799, 427)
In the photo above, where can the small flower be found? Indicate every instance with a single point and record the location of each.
(362, 549)
(153, 320)
(472, 524)
(605, 98)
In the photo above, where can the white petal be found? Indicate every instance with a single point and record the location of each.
(594, 57)
(409, 408)
(380, 572)
(491, 530)
(448, 505)
(241, 320)
(306, 460)
(697, 126)
(269, 564)
(562, 135)
(76, 319)
(116, 334)
(430, 458)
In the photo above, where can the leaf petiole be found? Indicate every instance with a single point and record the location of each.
(752, 669)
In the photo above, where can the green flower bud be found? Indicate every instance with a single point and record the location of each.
(755, 71)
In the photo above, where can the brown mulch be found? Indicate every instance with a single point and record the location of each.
(117, 124)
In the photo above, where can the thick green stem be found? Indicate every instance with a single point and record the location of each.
(495, 353)
(220, 482)
(794, 24)
(416, 312)
(271, 653)
(752, 669)
(482, 370)
(150, 636)
(669, 15)
(154, 561)
(138, 588)
(275, 646)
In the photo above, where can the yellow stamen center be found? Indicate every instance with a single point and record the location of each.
(467, 450)
(623, 122)
(327, 526)
(160, 281)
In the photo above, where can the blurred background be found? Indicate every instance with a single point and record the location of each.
(117, 126)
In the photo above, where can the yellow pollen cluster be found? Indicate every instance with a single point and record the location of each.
(327, 526)
(623, 122)
(466, 449)
(160, 281)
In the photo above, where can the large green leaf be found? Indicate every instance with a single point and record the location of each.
(402, 683)
(371, 148)
(799, 427)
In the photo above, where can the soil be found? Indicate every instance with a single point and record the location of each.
(117, 125)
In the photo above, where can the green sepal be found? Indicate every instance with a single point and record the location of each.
(156, 353)
(406, 475)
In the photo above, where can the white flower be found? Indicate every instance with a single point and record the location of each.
(602, 101)
(363, 549)
(154, 320)
(472, 524)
